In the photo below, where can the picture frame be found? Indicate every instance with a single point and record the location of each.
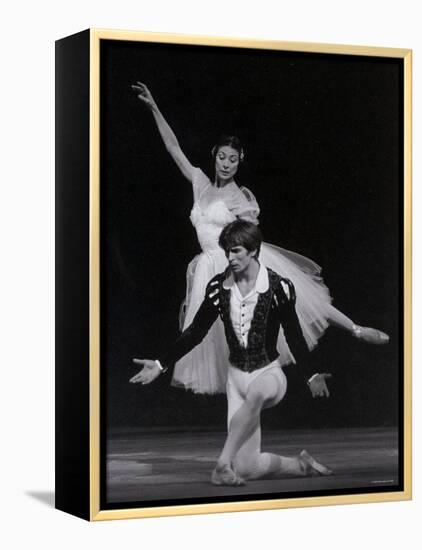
(328, 132)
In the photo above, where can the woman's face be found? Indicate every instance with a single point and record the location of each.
(226, 163)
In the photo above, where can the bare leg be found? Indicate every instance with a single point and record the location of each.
(339, 320)
(367, 334)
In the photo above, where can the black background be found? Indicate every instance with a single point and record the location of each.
(323, 142)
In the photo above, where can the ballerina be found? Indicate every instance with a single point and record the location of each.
(216, 204)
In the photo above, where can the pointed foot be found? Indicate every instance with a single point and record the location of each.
(312, 467)
(370, 335)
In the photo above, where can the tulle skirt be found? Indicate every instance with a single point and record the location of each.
(204, 369)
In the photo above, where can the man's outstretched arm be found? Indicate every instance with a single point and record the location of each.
(189, 339)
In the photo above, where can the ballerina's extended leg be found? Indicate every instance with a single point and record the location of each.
(366, 334)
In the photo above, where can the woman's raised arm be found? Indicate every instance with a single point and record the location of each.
(167, 134)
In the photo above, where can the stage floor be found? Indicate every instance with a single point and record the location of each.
(172, 464)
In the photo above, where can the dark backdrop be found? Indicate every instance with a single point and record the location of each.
(323, 143)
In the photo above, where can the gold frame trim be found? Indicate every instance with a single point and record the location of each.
(96, 514)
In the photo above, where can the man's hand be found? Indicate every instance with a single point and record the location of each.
(318, 385)
(149, 372)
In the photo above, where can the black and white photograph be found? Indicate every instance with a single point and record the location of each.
(251, 260)
(135, 412)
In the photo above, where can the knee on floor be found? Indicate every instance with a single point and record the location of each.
(260, 466)
(247, 469)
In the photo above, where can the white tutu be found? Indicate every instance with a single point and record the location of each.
(204, 369)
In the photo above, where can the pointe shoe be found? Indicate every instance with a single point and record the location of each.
(370, 335)
(311, 467)
(226, 475)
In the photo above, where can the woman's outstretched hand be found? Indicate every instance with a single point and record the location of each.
(149, 372)
(167, 134)
(144, 94)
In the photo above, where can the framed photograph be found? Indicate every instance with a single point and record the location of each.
(233, 276)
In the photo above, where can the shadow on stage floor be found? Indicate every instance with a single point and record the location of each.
(171, 464)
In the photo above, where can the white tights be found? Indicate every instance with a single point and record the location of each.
(247, 395)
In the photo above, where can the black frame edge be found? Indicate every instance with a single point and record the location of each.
(72, 87)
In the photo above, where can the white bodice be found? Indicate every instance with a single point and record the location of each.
(208, 221)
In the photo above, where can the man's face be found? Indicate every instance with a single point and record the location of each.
(239, 258)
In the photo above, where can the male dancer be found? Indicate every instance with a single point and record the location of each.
(252, 302)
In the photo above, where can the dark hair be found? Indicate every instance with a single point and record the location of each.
(241, 233)
(231, 141)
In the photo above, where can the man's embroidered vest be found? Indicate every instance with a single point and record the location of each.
(261, 347)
